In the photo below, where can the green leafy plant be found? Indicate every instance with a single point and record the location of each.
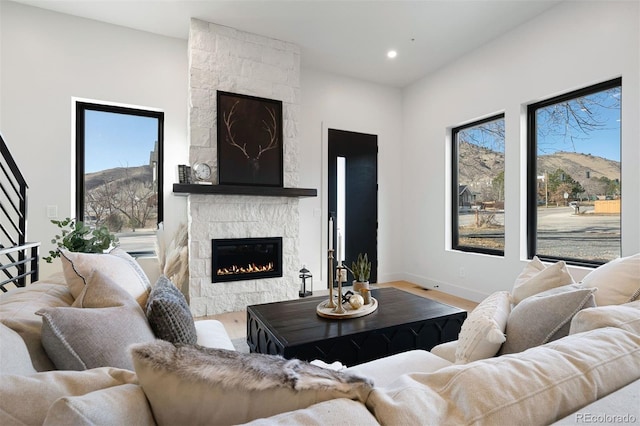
(361, 268)
(77, 237)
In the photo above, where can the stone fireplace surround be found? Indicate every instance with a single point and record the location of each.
(223, 58)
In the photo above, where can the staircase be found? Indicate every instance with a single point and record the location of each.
(18, 258)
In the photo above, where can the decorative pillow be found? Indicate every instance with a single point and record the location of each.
(169, 315)
(117, 265)
(26, 399)
(625, 316)
(482, 333)
(545, 317)
(195, 385)
(116, 405)
(79, 339)
(14, 356)
(536, 277)
(18, 312)
(617, 281)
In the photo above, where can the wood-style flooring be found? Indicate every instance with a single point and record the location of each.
(236, 322)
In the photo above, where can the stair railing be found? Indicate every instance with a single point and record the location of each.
(18, 258)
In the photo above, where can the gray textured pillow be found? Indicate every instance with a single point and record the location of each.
(545, 317)
(169, 315)
(83, 338)
(190, 384)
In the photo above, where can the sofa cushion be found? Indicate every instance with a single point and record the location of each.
(545, 317)
(625, 316)
(26, 399)
(194, 385)
(14, 356)
(385, 370)
(482, 332)
(115, 405)
(117, 265)
(534, 387)
(617, 281)
(98, 334)
(536, 278)
(339, 411)
(212, 334)
(18, 312)
(169, 315)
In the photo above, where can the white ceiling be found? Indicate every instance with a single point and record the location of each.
(345, 37)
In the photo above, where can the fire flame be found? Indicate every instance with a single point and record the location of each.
(249, 269)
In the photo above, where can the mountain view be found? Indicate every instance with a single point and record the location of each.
(479, 165)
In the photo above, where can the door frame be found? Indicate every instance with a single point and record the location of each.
(324, 225)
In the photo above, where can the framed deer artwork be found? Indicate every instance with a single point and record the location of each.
(250, 140)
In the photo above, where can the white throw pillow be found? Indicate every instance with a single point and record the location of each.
(117, 265)
(482, 333)
(617, 281)
(625, 316)
(536, 278)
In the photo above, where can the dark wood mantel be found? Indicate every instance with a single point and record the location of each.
(268, 191)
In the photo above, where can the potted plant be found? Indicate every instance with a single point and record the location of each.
(361, 270)
(78, 237)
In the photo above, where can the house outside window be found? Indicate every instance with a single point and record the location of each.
(574, 181)
(478, 186)
(119, 172)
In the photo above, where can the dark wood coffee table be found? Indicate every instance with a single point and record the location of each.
(403, 321)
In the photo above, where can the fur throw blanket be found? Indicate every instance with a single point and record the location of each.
(231, 369)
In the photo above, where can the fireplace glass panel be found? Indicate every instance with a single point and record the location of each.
(237, 259)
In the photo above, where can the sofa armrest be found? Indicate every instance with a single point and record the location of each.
(446, 350)
(212, 334)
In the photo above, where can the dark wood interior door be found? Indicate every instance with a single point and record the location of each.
(361, 194)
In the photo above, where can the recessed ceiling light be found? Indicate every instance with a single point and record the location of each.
(392, 54)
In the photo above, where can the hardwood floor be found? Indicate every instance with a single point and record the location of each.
(236, 322)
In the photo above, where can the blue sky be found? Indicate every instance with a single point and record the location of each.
(604, 142)
(117, 140)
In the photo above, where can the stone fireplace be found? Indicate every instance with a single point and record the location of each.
(225, 59)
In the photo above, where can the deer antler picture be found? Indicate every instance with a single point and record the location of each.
(249, 140)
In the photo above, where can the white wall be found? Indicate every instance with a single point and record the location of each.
(574, 45)
(48, 58)
(332, 101)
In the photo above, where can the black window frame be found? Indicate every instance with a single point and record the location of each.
(81, 107)
(532, 172)
(455, 235)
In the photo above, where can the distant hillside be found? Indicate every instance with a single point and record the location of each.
(118, 174)
(577, 165)
(479, 164)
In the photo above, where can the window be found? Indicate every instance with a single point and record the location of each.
(119, 172)
(478, 186)
(574, 198)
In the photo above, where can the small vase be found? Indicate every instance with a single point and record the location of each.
(357, 285)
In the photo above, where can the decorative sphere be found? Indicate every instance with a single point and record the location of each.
(356, 301)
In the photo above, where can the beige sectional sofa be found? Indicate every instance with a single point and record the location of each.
(597, 362)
